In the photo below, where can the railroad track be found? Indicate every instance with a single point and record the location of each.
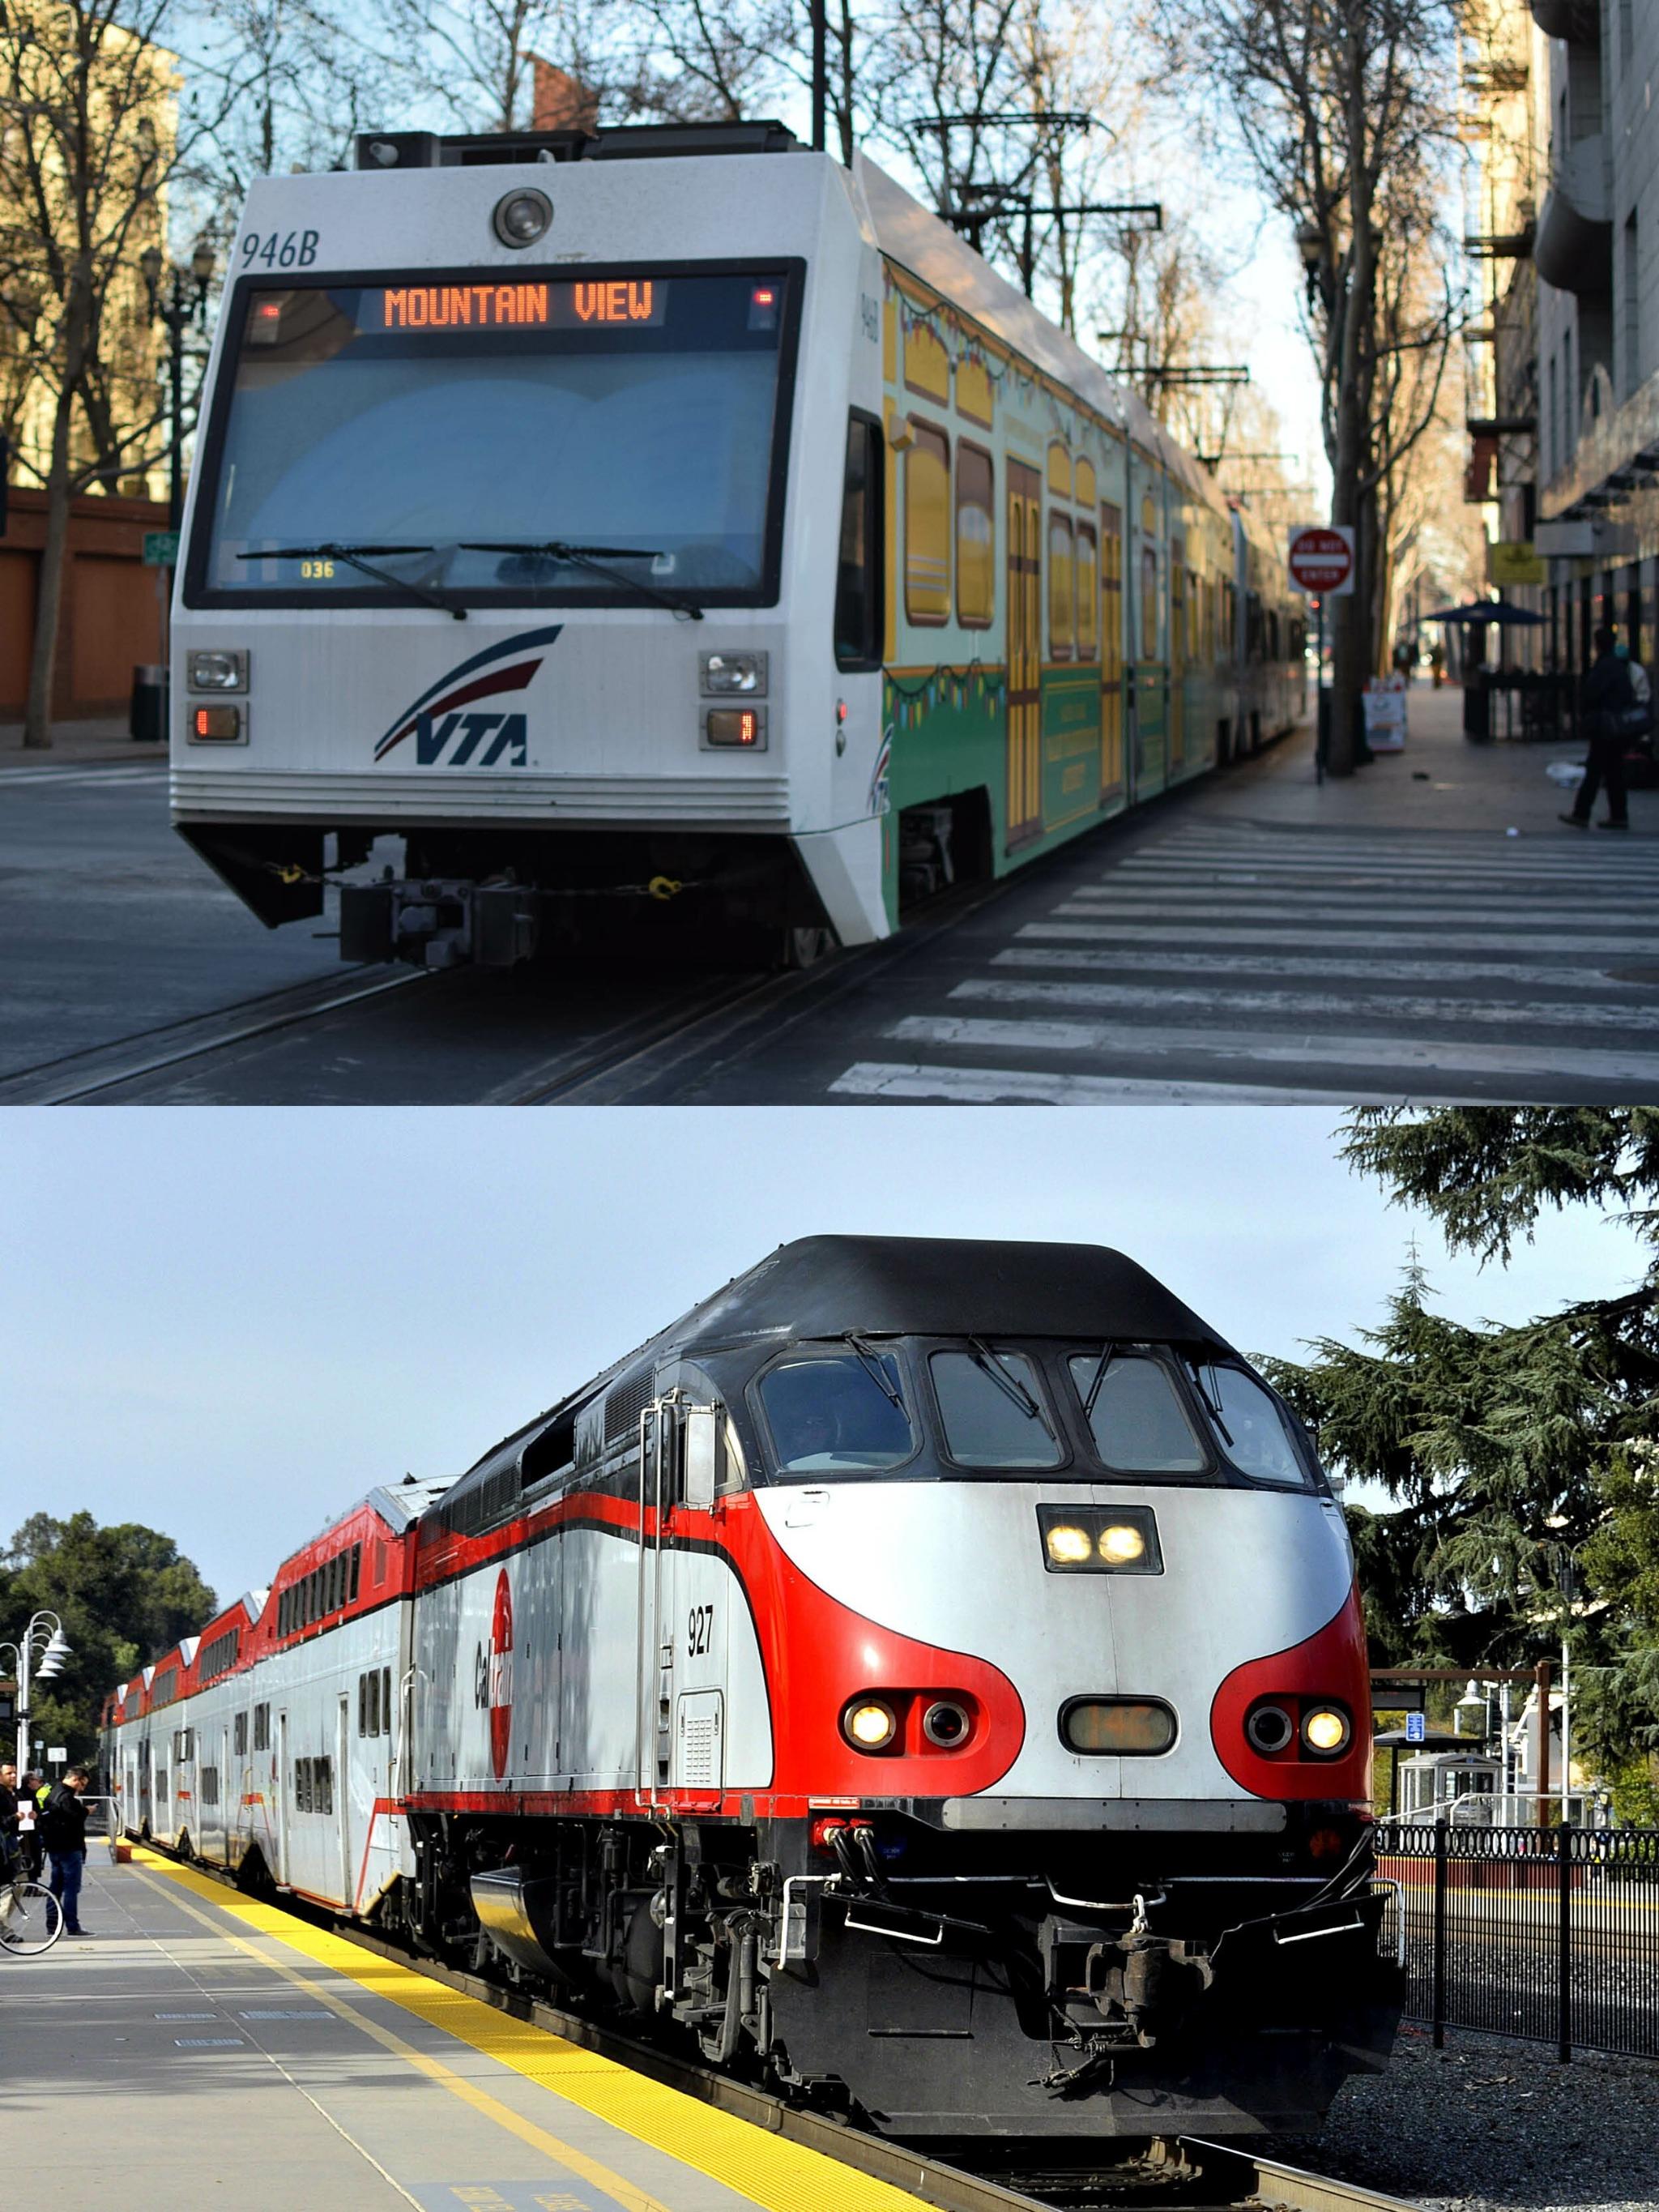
(1188, 2175)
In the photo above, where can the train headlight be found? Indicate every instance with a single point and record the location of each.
(945, 1723)
(521, 218)
(219, 670)
(868, 1725)
(1326, 1730)
(1068, 1546)
(1269, 1728)
(1120, 1543)
(724, 674)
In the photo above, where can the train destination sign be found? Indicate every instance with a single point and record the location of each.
(640, 302)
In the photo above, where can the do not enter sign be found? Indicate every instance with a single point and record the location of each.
(1321, 561)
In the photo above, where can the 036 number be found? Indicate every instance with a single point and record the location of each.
(292, 249)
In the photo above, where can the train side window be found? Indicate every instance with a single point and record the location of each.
(239, 1736)
(210, 1785)
(1062, 586)
(859, 585)
(262, 1727)
(976, 538)
(1088, 593)
(386, 1699)
(927, 527)
(325, 1782)
(1149, 603)
(363, 1706)
(356, 1573)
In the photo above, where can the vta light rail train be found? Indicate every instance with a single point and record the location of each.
(672, 522)
(928, 1673)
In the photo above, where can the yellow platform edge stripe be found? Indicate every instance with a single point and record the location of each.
(767, 2169)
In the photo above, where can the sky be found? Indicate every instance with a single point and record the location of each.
(230, 1324)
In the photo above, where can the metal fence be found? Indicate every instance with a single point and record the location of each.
(1548, 1933)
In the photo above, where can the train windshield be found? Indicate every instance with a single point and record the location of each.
(838, 1413)
(583, 439)
(1135, 1413)
(1250, 1426)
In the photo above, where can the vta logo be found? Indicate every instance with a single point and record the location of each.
(492, 1677)
(446, 737)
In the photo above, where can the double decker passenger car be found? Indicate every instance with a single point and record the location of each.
(673, 522)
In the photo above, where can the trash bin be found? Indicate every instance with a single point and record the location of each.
(147, 723)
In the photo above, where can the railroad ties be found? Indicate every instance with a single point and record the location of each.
(1238, 960)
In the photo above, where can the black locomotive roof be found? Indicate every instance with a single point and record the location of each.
(826, 1286)
(943, 1286)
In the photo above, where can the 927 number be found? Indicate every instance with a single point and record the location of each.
(278, 249)
(699, 1623)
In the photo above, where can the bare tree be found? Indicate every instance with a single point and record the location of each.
(1343, 109)
(90, 142)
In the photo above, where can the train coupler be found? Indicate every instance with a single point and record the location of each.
(440, 922)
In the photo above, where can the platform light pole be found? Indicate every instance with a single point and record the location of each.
(178, 306)
(42, 1650)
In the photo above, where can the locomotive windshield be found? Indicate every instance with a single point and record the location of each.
(1135, 1415)
(838, 1413)
(991, 1404)
(474, 439)
(1251, 1425)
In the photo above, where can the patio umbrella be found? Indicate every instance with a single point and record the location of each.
(1485, 610)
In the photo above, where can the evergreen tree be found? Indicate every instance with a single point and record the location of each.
(1522, 1458)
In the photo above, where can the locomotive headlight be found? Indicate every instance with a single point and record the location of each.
(218, 671)
(869, 1725)
(1326, 1730)
(1269, 1728)
(521, 218)
(1069, 1546)
(945, 1723)
(1119, 1543)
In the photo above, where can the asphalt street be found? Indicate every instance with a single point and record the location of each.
(1425, 930)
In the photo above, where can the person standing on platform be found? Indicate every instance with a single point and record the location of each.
(9, 1850)
(66, 1842)
(28, 1825)
(1606, 697)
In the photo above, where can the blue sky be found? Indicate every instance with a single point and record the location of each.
(230, 1323)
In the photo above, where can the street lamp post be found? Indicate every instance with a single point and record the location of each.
(179, 304)
(41, 1665)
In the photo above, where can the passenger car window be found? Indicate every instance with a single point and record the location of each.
(1251, 1427)
(834, 1413)
(1135, 1414)
(992, 1408)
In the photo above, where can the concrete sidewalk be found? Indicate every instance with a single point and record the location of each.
(1441, 782)
(74, 744)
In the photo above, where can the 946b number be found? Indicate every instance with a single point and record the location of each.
(278, 249)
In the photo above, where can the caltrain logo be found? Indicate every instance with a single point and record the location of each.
(447, 733)
(492, 1677)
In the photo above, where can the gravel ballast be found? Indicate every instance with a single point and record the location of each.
(1491, 2125)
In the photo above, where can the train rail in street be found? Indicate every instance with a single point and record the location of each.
(1181, 2174)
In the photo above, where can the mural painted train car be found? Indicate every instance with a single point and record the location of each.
(929, 1673)
(675, 509)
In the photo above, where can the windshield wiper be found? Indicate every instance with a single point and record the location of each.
(1107, 1357)
(352, 557)
(873, 1367)
(597, 557)
(1211, 1406)
(1009, 1384)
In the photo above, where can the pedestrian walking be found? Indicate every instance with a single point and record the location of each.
(1606, 698)
(65, 1829)
(1438, 663)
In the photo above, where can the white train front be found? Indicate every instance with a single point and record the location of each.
(931, 1673)
(673, 528)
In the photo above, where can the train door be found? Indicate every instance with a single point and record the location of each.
(654, 1649)
(1111, 653)
(343, 1795)
(684, 1599)
(1179, 605)
(1024, 653)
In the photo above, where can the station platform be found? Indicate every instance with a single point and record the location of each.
(197, 2047)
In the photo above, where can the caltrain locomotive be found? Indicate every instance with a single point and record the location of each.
(930, 1673)
(671, 522)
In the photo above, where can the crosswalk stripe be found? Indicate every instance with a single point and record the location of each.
(1165, 868)
(1397, 938)
(1169, 998)
(1578, 865)
(1131, 1041)
(991, 1086)
(1310, 908)
(55, 778)
(1452, 966)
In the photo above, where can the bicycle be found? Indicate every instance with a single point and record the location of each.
(31, 1917)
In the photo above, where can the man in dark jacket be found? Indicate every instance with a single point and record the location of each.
(9, 1853)
(1607, 695)
(65, 1826)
